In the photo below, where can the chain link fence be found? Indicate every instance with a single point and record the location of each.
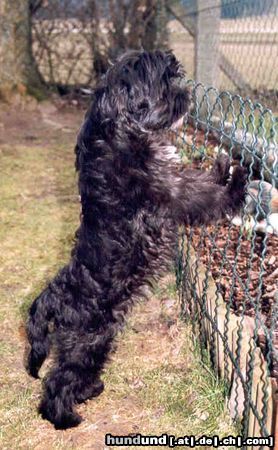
(240, 44)
(227, 273)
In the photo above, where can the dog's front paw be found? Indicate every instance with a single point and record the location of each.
(238, 186)
(221, 169)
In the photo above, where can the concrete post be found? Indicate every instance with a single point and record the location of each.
(207, 42)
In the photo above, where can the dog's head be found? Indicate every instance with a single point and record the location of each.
(141, 90)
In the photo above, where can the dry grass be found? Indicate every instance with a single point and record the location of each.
(155, 382)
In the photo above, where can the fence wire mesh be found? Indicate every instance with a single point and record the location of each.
(245, 34)
(227, 273)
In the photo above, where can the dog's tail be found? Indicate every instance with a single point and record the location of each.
(37, 329)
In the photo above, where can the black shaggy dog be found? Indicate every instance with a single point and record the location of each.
(134, 195)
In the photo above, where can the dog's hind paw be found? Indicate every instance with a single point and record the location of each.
(62, 420)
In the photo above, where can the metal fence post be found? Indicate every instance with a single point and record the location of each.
(207, 42)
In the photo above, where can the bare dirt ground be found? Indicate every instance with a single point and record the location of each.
(155, 382)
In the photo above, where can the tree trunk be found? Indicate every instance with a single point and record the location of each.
(17, 66)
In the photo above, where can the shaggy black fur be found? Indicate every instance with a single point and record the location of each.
(134, 195)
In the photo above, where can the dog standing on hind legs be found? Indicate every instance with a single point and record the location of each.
(134, 195)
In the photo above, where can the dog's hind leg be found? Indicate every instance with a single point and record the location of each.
(37, 330)
(76, 377)
(44, 308)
